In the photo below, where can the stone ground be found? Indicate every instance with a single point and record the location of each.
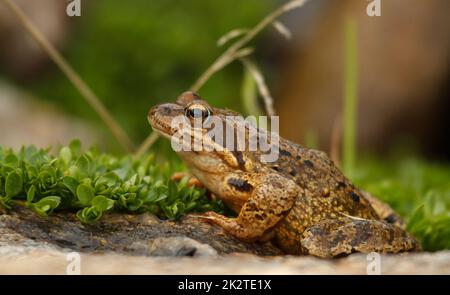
(143, 244)
(50, 261)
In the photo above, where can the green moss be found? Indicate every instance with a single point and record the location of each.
(93, 183)
(417, 189)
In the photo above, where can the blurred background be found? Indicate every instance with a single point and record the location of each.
(135, 54)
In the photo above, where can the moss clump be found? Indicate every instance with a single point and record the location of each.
(94, 183)
(417, 189)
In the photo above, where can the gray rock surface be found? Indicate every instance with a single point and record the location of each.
(46, 261)
(143, 235)
(143, 244)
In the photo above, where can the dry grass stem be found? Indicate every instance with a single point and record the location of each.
(335, 142)
(262, 86)
(220, 64)
(282, 29)
(231, 35)
(245, 39)
(232, 53)
(148, 142)
(85, 91)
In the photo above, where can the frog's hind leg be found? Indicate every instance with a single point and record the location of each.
(338, 237)
(270, 200)
(384, 211)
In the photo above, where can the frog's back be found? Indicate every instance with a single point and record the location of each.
(325, 192)
(321, 182)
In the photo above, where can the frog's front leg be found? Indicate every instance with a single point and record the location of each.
(192, 181)
(271, 198)
(337, 237)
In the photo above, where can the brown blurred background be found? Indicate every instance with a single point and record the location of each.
(404, 68)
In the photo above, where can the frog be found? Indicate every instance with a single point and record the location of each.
(301, 202)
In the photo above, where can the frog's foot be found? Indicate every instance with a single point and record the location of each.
(232, 226)
(335, 237)
(228, 224)
(207, 216)
(192, 182)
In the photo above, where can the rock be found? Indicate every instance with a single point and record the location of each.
(179, 246)
(143, 244)
(47, 261)
(143, 235)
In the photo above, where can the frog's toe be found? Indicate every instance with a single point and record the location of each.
(209, 216)
(199, 215)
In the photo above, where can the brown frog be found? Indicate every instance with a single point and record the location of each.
(301, 201)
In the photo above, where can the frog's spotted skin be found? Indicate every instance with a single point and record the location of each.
(335, 237)
(302, 201)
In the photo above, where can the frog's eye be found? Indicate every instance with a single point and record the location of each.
(197, 111)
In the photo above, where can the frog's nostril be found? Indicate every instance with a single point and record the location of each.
(165, 110)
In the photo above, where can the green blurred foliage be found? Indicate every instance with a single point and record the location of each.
(137, 54)
(417, 189)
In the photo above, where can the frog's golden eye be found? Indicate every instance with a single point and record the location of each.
(197, 111)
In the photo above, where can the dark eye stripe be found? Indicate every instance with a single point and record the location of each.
(240, 184)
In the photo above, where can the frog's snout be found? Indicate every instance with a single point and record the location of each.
(163, 110)
(161, 115)
(151, 114)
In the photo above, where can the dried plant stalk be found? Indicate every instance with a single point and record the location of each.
(335, 142)
(245, 39)
(85, 91)
(262, 86)
(282, 29)
(231, 35)
(147, 143)
(230, 55)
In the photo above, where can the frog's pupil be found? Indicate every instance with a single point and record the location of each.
(197, 113)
